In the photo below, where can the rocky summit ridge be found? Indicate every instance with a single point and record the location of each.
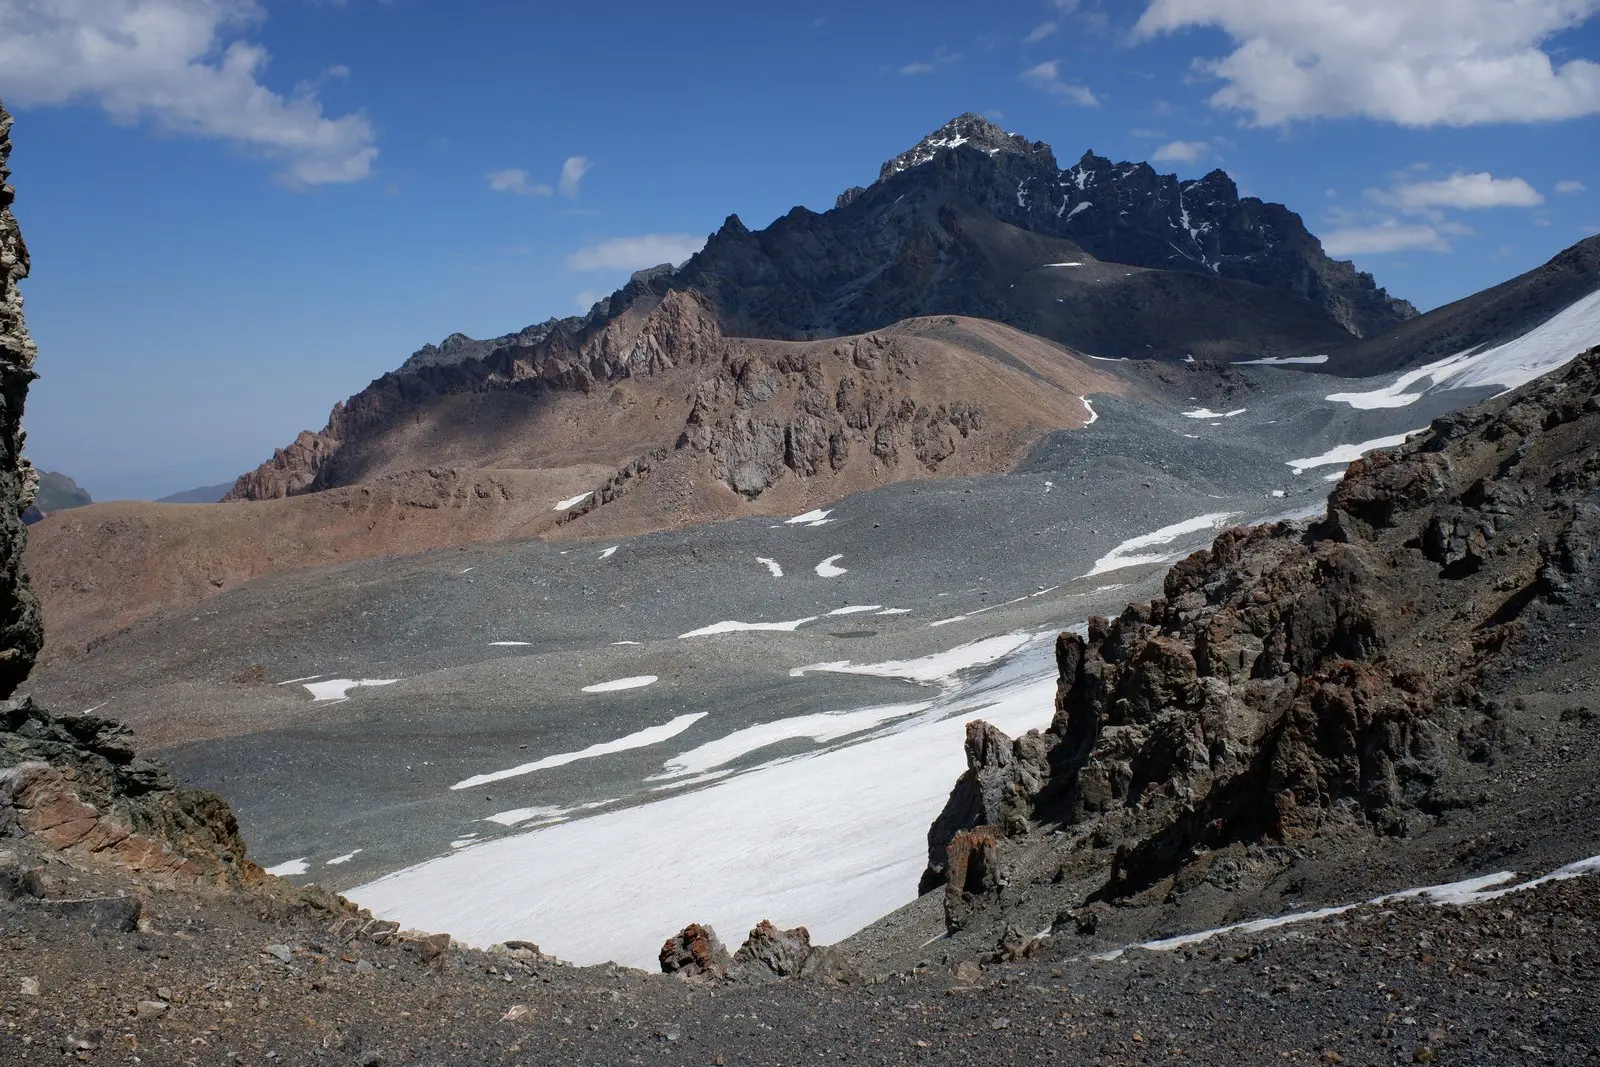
(1129, 213)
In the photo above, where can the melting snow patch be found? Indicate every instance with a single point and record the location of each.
(1555, 343)
(340, 860)
(641, 739)
(509, 644)
(826, 726)
(1344, 454)
(1129, 554)
(1074, 263)
(941, 667)
(733, 626)
(772, 565)
(1283, 361)
(292, 681)
(638, 682)
(608, 553)
(339, 688)
(572, 502)
(1477, 890)
(1207, 413)
(624, 642)
(895, 611)
(1094, 416)
(856, 609)
(809, 517)
(826, 568)
(289, 867)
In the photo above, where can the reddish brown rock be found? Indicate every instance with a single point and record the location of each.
(695, 952)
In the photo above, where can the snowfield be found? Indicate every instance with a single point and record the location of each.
(1555, 343)
(831, 840)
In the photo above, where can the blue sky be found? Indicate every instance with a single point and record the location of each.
(242, 212)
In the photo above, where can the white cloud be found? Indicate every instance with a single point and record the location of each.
(634, 253)
(181, 65)
(572, 171)
(1569, 187)
(1040, 32)
(1463, 191)
(1412, 62)
(515, 181)
(918, 67)
(1388, 236)
(1181, 152)
(1046, 77)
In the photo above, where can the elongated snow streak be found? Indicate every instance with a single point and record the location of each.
(1094, 417)
(1343, 454)
(1555, 343)
(856, 609)
(643, 738)
(772, 565)
(1283, 361)
(509, 644)
(826, 726)
(339, 688)
(620, 684)
(289, 867)
(809, 517)
(1207, 413)
(940, 667)
(572, 502)
(340, 860)
(826, 568)
(1478, 890)
(1075, 263)
(734, 626)
(1130, 554)
(608, 553)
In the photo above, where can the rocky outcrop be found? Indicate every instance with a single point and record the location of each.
(571, 355)
(1295, 681)
(76, 787)
(695, 952)
(770, 953)
(21, 634)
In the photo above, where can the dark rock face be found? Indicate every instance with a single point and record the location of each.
(909, 245)
(21, 634)
(1299, 681)
(770, 953)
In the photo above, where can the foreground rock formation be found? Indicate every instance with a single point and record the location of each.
(1298, 684)
(20, 632)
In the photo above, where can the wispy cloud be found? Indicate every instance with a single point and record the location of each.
(572, 171)
(516, 181)
(1040, 32)
(1385, 237)
(181, 65)
(1046, 77)
(942, 57)
(1415, 64)
(1570, 187)
(634, 253)
(1181, 152)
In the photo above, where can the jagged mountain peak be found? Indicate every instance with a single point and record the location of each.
(968, 129)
